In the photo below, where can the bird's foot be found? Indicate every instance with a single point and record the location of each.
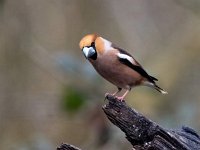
(106, 95)
(121, 99)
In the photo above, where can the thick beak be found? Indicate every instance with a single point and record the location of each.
(88, 52)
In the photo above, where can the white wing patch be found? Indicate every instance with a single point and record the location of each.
(124, 56)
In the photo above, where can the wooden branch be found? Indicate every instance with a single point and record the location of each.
(143, 133)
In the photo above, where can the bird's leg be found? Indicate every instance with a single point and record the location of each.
(123, 96)
(119, 89)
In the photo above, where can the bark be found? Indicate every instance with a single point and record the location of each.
(143, 133)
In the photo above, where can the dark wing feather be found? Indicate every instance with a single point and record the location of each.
(137, 67)
(153, 78)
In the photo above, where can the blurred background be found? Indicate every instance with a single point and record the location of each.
(50, 94)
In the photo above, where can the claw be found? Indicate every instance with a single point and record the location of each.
(121, 99)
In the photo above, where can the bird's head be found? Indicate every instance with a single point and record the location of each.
(87, 45)
(94, 46)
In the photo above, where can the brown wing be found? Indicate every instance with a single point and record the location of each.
(136, 67)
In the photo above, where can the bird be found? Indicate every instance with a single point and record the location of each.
(116, 65)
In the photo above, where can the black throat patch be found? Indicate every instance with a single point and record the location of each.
(94, 56)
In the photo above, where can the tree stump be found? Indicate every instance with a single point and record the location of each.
(145, 134)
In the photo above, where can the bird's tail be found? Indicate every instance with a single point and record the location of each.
(160, 89)
(153, 85)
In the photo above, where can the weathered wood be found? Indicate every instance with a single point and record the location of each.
(143, 133)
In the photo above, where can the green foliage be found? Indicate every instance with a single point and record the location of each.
(73, 99)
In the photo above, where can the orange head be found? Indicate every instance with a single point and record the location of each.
(87, 45)
(87, 40)
(93, 45)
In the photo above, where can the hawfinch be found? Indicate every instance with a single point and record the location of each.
(116, 65)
